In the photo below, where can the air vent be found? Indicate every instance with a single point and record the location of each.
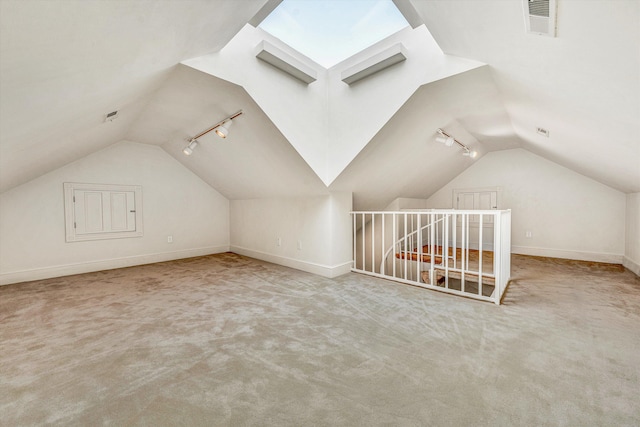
(540, 17)
(543, 132)
(539, 8)
(109, 117)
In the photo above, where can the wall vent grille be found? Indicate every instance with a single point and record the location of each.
(540, 17)
(539, 8)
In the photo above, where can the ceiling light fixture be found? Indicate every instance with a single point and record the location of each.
(188, 150)
(221, 128)
(448, 140)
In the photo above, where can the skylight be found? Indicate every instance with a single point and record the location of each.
(329, 31)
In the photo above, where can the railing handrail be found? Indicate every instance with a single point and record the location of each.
(428, 211)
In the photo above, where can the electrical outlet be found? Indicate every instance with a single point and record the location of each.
(527, 234)
(279, 241)
(299, 245)
(169, 239)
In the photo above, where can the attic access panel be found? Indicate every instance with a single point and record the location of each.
(330, 31)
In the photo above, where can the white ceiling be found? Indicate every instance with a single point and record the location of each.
(404, 159)
(583, 85)
(254, 161)
(64, 64)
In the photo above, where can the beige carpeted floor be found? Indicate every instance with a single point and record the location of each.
(230, 341)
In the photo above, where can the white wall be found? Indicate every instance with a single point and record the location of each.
(175, 202)
(632, 236)
(315, 232)
(568, 214)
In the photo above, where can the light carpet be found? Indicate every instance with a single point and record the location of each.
(227, 340)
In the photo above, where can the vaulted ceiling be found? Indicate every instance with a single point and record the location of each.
(64, 64)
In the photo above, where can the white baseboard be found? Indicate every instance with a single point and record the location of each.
(631, 265)
(577, 255)
(108, 264)
(310, 267)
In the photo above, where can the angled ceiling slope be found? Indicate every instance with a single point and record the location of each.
(583, 86)
(404, 160)
(254, 161)
(327, 120)
(65, 64)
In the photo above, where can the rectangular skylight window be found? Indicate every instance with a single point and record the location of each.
(330, 31)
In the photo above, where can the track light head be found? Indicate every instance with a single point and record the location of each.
(470, 153)
(188, 150)
(223, 130)
(446, 140)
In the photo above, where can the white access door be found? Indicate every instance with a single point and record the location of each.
(473, 200)
(104, 211)
(477, 200)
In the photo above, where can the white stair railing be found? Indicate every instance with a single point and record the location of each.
(465, 253)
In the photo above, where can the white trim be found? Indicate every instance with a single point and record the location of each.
(310, 267)
(108, 264)
(69, 211)
(374, 64)
(285, 62)
(631, 265)
(497, 190)
(567, 254)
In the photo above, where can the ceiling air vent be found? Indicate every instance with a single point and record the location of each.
(540, 17)
(109, 117)
(543, 132)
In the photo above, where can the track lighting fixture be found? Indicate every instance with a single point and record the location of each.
(188, 150)
(448, 140)
(221, 128)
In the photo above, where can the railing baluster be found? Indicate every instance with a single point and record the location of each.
(480, 255)
(454, 229)
(463, 264)
(395, 240)
(373, 242)
(497, 260)
(419, 249)
(445, 250)
(432, 256)
(405, 246)
(382, 266)
(364, 230)
(355, 265)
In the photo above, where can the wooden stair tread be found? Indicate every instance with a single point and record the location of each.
(468, 276)
(474, 255)
(413, 256)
